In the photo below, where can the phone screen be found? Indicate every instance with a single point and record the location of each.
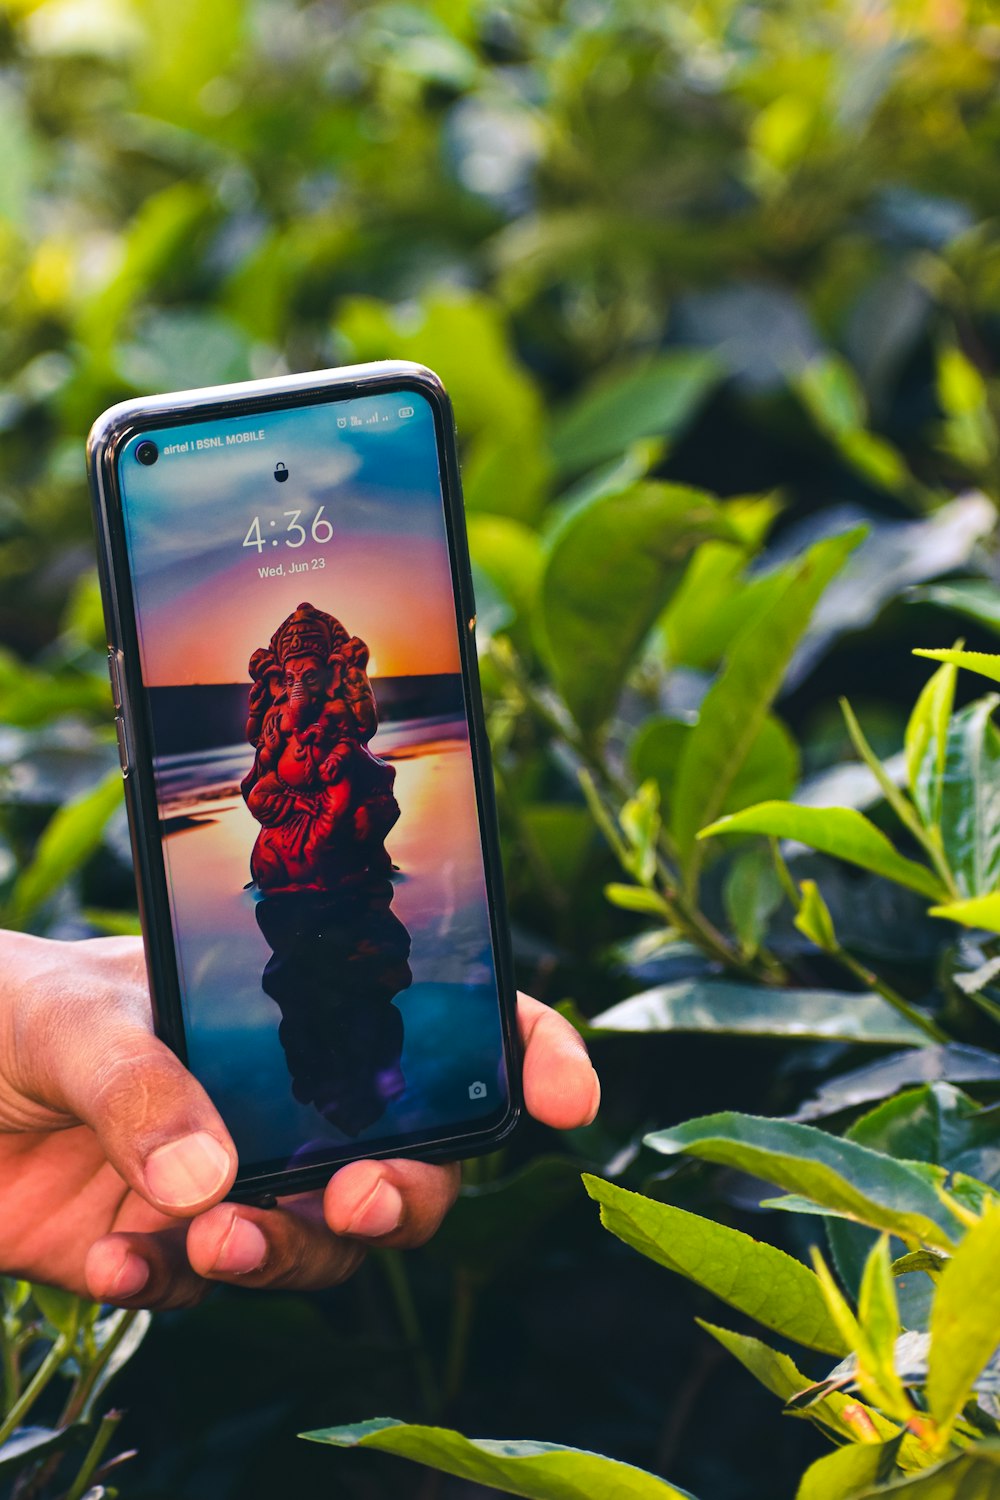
(301, 680)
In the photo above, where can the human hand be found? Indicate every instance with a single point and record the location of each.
(113, 1160)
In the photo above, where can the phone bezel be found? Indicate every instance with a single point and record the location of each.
(110, 434)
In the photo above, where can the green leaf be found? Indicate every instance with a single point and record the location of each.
(934, 1123)
(981, 911)
(839, 1475)
(655, 398)
(738, 702)
(750, 1275)
(878, 1315)
(970, 798)
(61, 1309)
(986, 663)
(27, 1444)
(72, 835)
(874, 1189)
(510, 554)
(842, 832)
(612, 564)
(636, 898)
(540, 1471)
(832, 394)
(752, 894)
(722, 1006)
(770, 769)
(834, 1412)
(814, 920)
(971, 1476)
(639, 821)
(965, 1320)
(926, 743)
(973, 597)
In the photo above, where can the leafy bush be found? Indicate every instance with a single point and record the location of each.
(714, 290)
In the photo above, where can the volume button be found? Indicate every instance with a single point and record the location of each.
(123, 754)
(114, 671)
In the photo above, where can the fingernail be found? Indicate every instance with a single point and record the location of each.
(187, 1171)
(596, 1104)
(380, 1213)
(131, 1278)
(243, 1249)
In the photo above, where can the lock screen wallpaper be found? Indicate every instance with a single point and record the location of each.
(299, 652)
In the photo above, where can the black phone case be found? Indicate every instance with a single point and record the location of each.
(111, 431)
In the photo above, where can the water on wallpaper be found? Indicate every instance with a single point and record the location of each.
(314, 1019)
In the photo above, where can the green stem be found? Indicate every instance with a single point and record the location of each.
(11, 1369)
(48, 1367)
(852, 965)
(394, 1271)
(80, 1395)
(916, 1017)
(598, 781)
(95, 1453)
(461, 1330)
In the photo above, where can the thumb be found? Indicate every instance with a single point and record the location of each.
(85, 1051)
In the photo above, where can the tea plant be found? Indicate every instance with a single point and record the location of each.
(910, 1196)
(59, 1449)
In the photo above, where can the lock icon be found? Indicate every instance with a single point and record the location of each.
(280, 472)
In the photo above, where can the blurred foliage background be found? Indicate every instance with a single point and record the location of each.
(750, 248)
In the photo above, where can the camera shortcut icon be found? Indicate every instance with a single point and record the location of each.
(477, 1091)
(341, 421)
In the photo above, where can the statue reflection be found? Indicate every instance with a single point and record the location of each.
(338, 961)
(325, 804)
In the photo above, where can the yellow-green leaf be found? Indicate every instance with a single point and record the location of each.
(777, 1290)
(981, 911)
(538, 1471)
(965, 1319)
(842, 832)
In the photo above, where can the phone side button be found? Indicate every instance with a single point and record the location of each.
(122, 744)
(114, 671)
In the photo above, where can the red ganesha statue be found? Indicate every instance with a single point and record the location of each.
(323, 800)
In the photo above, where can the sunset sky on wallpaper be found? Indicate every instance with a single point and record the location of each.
(203, 606)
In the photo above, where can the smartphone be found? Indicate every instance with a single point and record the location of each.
(291, 642)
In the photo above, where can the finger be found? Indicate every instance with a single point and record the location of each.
(561, 1087)
(288, 1246)
(143, 1270)
(395, 1204)
(84, 1049)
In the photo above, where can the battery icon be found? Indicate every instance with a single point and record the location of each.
(406, 411)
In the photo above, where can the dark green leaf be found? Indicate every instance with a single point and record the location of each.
(771, 767)
(715, 1005)
(611, 566)
(970, 798)
(953, 1063)
(31, 1443)
(539, 1471)
(839, 1174)
(974, 597)
(71, 837)
(739, 700)
(655, 398)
